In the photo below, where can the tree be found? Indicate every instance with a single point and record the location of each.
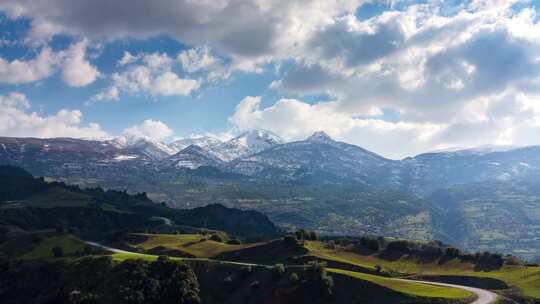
(278, 270)
(234, 242)
(398, 246)
(294, 278)
(331, 244)
(370, 243)
(319, 280)
(216, 238)
(177, 282)
(58, 252)
(452, 252)
(290, 241)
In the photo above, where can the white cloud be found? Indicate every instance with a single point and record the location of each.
(453, 75)
(250, 32)
(294, 119)
(510, 118)
(201, 59)
(76, 70)
(197, 59)
(127, 58)
(154, 129)
(148, 73)
(16, 120)
(25, 71)
(109, 94)
(169, 83)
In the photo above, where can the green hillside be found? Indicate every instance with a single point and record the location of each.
(525, 279)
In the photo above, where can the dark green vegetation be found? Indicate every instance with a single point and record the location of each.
(213, 256)
(98, 280)
(476, 199)
(44, 224)
(494, 216)
(28, 205)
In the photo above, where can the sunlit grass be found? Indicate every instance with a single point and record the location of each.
(193, 244)
(526, 279)
(410, 288)
(43, 249)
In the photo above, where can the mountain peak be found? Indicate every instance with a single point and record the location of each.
(258, 134)
(247, 143)
(320, 136)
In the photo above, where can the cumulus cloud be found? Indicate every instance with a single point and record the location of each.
(17, 120)
(25, 71)
(148, 73)
(201, 59)
(426, 66)
(452, 75)
(197, 59)
(510, 118)
(76, 70)
(154, 129)
(294, 119)
(251, 32)
(127, 58)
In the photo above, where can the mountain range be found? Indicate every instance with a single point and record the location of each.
(317, 183)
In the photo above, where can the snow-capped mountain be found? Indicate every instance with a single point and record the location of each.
(319, 157)
(192, 157)
(247, 143)
(263, 155)
(205, 142)
(145, 146)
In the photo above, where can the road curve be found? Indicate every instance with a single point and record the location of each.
(484, 296)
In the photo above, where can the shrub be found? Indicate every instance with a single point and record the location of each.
(246, 271)
(278, 270)
(319, 279)
(370, 243)
(290, 241)
(216, 238)
(294, 278)
(58, 252)
(87, 250)
(513, 261)
(398, 246)
(431, 249)
(331, 245)
(234, 242)
(452, 252)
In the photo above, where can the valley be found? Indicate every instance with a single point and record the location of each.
(321, 184)
(224, 255)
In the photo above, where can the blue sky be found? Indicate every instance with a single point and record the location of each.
(395, 77)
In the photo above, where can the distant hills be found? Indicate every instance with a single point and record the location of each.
(29, 204)
(318, 183)
(262, 155)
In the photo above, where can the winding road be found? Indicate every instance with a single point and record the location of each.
(484, 296)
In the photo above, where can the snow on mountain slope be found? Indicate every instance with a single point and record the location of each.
(192, 157)
(247, 143)
(319, 157)
(153, 149)
(204, 142)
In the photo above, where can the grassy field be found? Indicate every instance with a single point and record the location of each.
(526, 279)
(58, 197)
(43, 249)
(410, 288)
(193, 244)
